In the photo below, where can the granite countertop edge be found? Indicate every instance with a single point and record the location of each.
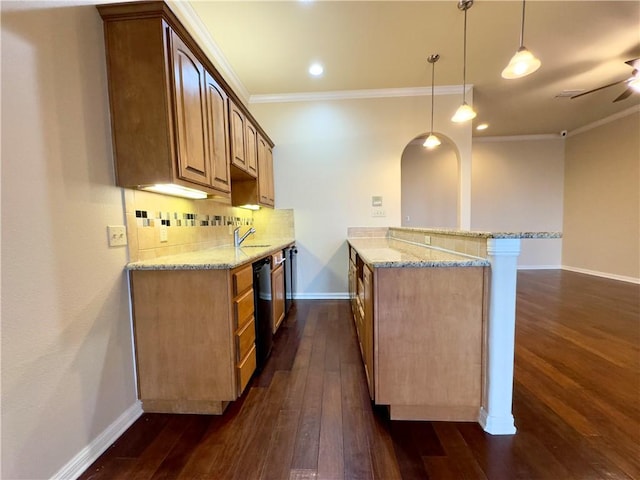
(479, 234)
(450, 258)
(223, 257)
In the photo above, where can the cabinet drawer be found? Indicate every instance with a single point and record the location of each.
(353, 255)
(246, 369)
(245, 339)
(276, 259)
(243, 308)
(242, 279)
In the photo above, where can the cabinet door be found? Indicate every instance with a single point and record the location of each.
(277, 294)
(237, 123)
(251, 143)
(218, 135)
(265, 173)
(367, 328)
(263, 194)
(190, 114)
(270, 187)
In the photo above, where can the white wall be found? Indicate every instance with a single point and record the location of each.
(67, 367)
(518, 186)
(331, 157)
(602, 199)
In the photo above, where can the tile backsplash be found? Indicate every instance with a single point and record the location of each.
(190, 224)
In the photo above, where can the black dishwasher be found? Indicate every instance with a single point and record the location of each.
(262, 306)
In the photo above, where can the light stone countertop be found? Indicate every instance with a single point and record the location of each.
(382, 252)
(479, 234)
(217, 258)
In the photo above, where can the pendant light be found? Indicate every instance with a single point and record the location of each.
(464, 112)
(432, 141)
(523, 62)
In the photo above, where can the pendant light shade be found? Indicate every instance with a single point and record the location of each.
(432, 141)
(523, 62)
(464, 112)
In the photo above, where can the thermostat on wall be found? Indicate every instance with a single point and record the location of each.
(376, 201)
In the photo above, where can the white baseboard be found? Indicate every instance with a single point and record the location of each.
(89, 454)
(539, 267)
(611, 276)
(322, 296)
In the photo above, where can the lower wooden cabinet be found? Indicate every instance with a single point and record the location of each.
(194, 338)
(366, 331)
(421, 334)
(277, 289)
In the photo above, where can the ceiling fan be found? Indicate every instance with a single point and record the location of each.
(633, 82)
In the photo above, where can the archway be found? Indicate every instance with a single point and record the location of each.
(430, 182)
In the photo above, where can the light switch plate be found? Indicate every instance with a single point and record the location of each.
(117, 235)
(378, 212)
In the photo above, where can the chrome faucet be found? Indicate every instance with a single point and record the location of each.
(237, 239)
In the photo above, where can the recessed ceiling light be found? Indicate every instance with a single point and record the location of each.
(316, 69)
(482, 126)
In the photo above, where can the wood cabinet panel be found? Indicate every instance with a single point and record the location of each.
(245, 370)
(245, 339)
(277, 290)
(190, 113)
(183, 336)
(251, 142)
(237, 123)
(367, 328)
(265, 173)
(243, 307)
(218, 137)
(242, 280)
(429, 331)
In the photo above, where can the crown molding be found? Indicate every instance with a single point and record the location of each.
(604, 121)
(518, 138)
(357, 94)
(192, 22)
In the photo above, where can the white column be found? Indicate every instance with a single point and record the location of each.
(495, 415)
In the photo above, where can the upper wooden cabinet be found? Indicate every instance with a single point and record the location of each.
(238, 143)
(246, 189)
(265, 173)
(170, 109)
(218, 134)
(191, 114)
(251, 136)
(243, 144)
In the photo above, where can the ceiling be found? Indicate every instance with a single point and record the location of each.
(378, 45)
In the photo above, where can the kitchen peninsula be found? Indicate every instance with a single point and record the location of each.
(435, 314)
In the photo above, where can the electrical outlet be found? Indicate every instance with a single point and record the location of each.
(378, 212)
(117, 235)
(427, 239)
(163, 233)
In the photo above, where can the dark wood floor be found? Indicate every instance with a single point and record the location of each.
(308, 416)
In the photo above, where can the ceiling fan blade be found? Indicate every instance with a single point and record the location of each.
(627, 93)
(635, 62)
(599, 88)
